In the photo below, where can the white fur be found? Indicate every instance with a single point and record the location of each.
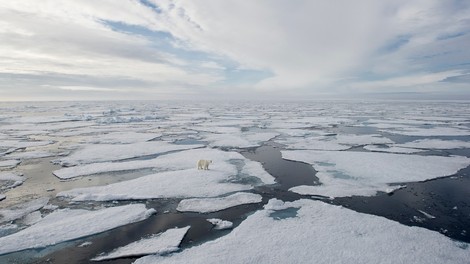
(203, 164)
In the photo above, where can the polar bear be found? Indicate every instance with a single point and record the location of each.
(203, 164)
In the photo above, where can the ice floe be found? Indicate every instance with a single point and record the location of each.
(432, 131)
(220, 224)
(68, 224)
(346, 173)
(175, 161)
(208, 205)
(435, 144)
(159, 244)
(181, 178)
(238, 140)
(22, 209)
(322, 233)
(109, 152)
(312, 143)
(9, 164)
(120, 138)
(36, 154)
(23, 144)
(10, 180)
(171, 184)
(392, 149)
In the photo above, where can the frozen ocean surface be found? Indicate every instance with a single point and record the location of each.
(121, 179)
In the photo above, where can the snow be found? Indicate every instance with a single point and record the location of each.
(68, 224)
(21, 210)
(31, 218)
(208, 205)
(180, 179)
(120, 138)
(392, 149)
(32, 155)
(109, 152)
(433, 131)
(238, 140)
(10, 176)
(346, 173)
(9, 180)
(2, 197)
(23, 144)
(436, 144)
(317, 143)
(322, 233)
(220, 224)
(162, 243)
(348, 139)
(174, 161)
(8, 164)
(171, 184)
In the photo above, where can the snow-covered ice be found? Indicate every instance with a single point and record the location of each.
(68, 224)
(208, 205)
(160, 244)
(181, 179)
(120, 138)
(322, 233)
(9, 164)
(392, 149)
(220, 224)
(175, 161)
(238, 140)
(109, 152)
(22, 209)
(18, 144)
(10, 176)
(314, 143)
(436, 144)
(171, 184)
(31, 155)
(433, 131)
(346, 173)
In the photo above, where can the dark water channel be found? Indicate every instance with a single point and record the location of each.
(446, 199)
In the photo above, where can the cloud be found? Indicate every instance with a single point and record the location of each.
(252, 47)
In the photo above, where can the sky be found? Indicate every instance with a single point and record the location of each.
(232, 49)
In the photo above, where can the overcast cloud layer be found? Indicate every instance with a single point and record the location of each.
(149, 49)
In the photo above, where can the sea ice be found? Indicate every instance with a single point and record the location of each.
(31, 155)
(173, 161)
(220, 224)
(348, 139)
(120, 138)
(9, 164)
(392, 149)
(109, 152)
(171, 184)
(346, 173)
(160, 244)
(23, 144)
(208, 205)
(238, 140)
(322, 233)
(68, 224)
(316, 143)
(433, 131)
(21, 210)
(436, 144)
(10, 176)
